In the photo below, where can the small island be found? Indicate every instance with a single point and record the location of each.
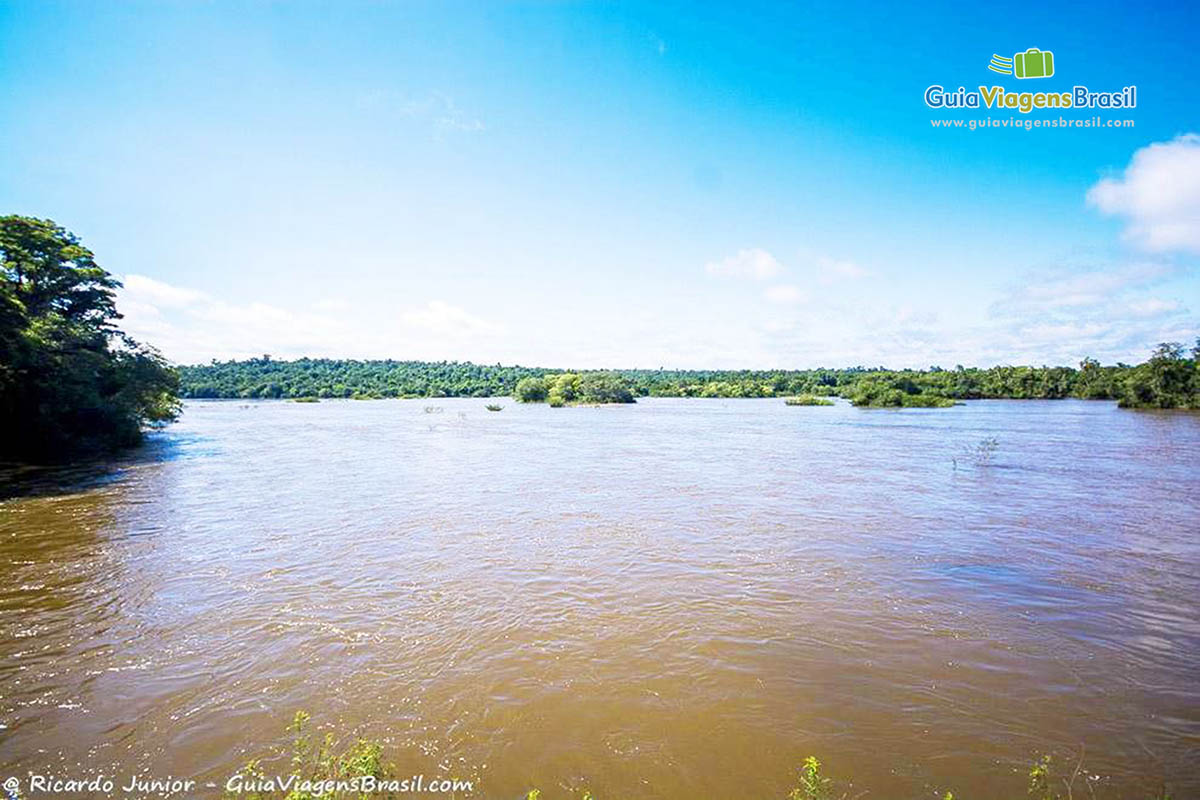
(573, 388)
(808, 400)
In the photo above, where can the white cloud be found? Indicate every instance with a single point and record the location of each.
(331, 304)
(1052, 316)
(1059, 316)
(844, 335)
(189, 326)
(758, 264)
(1072, 290)
(786, 294)
(444, 319)
(831, 270)
(907, 315)
(753, 263)
(161, 294)
(1154, 306)
(1158, 195)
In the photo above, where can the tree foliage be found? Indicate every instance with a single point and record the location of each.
(70, 381)
(1167, 380)
(575, 388)
(266, 377)
(531, 390)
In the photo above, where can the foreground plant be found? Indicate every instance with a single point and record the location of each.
(1043, 782)
(813, 786)
(320, 769)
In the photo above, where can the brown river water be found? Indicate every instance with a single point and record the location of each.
(676, 599)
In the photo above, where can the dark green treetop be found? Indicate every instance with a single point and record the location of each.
(70, 381)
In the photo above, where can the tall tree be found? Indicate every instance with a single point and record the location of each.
(70, 381)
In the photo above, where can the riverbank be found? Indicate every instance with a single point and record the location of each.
(1169, 379)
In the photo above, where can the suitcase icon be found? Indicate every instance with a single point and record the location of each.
(1034, 63)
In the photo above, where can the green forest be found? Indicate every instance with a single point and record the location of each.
(70, 381)
(1170, 378)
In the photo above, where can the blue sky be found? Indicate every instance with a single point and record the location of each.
(611, 184)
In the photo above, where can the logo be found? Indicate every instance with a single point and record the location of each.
(1033, 63)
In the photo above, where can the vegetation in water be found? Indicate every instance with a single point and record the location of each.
(1168, 380)
(808, 400)
(494, 407)
(880, 391)
(71, 383)
(1044, 784)
(813, 785)
(980, 454)
(306, 399)
(325, 769)
(574, 388)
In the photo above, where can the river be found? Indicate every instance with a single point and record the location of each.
(674, 599)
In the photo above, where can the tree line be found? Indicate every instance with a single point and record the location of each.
(1168, 379)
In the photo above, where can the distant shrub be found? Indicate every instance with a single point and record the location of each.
(604, 387)
(895, 393)
(531, 390)
(809, 400)
(572, 388)
(927, 401)
(563, 389)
